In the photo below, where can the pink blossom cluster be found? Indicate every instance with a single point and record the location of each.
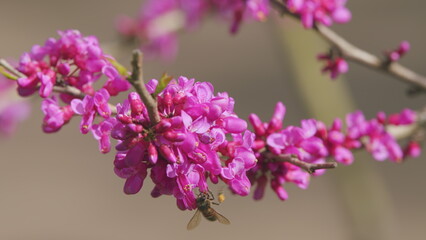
(313, 142)
(333, 65)
(12, 111)
(320, 11)
(159, 21)
(189, 145)
(72, 60)
(398, 53)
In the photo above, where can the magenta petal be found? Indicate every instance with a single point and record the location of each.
(187, 120)
(235, 125)
(151, 85)
(310, 127)
(134, 156)
(200, 125)
(133, 184)
(227, 173)
(110, 72)
(343, 155)
(342, 15)
(260, 188)
(276, 140)
(77, 106)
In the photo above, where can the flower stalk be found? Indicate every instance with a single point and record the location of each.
(137, 81)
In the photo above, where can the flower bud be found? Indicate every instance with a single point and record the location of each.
(174, 136)
(163, 125)
(279, 190)
(152, 153)
(167, 153)
(136, 104)
(258, 126)
(234, 125)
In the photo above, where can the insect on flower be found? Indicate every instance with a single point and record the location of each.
(204, 201)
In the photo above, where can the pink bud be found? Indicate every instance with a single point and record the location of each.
(167, 153)
(381, 117)
(152, 153)
(214, 178)
(258, 127)
(404, 47)
(174, 136)
(258, 144)
(163, 125)
(260, 188)
(68, 113)
(234, 125)
(135, 128)
(64, 69)
(413, 149)
(167, 99)
(279, 190)
(407, 116)
(136, 104)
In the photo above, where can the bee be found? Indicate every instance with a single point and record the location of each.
(204, 202)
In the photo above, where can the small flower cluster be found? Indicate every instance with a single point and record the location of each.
(334, 65)
(237, 11)
(72, 60)
(187, 146)
(371, 135)
(320, 11)
(313, 142)
(398, 53)
(12, 111)
(273, 140)
(159, 21)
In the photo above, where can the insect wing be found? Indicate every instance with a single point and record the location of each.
(221, 218)
(195, 220)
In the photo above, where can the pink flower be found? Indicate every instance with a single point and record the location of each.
(319, 11)
(335, 66)
(102, 132)
(55, 116)
(85, 108)
(182, 149)
(72, 60)
(271, 138)
(313, 142)
(398, 53)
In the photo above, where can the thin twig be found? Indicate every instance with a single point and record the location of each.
(10, 68)
(353, 53)
(136, 79)
(73, 91)
(308, 167)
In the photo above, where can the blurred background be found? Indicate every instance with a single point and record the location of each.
(59, 186)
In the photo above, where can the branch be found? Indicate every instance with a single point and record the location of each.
(308, 167)
(11, 69)
(59, 89)
(136, 79)
(351, 52)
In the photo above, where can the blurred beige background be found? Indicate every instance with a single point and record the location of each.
(60, 187)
